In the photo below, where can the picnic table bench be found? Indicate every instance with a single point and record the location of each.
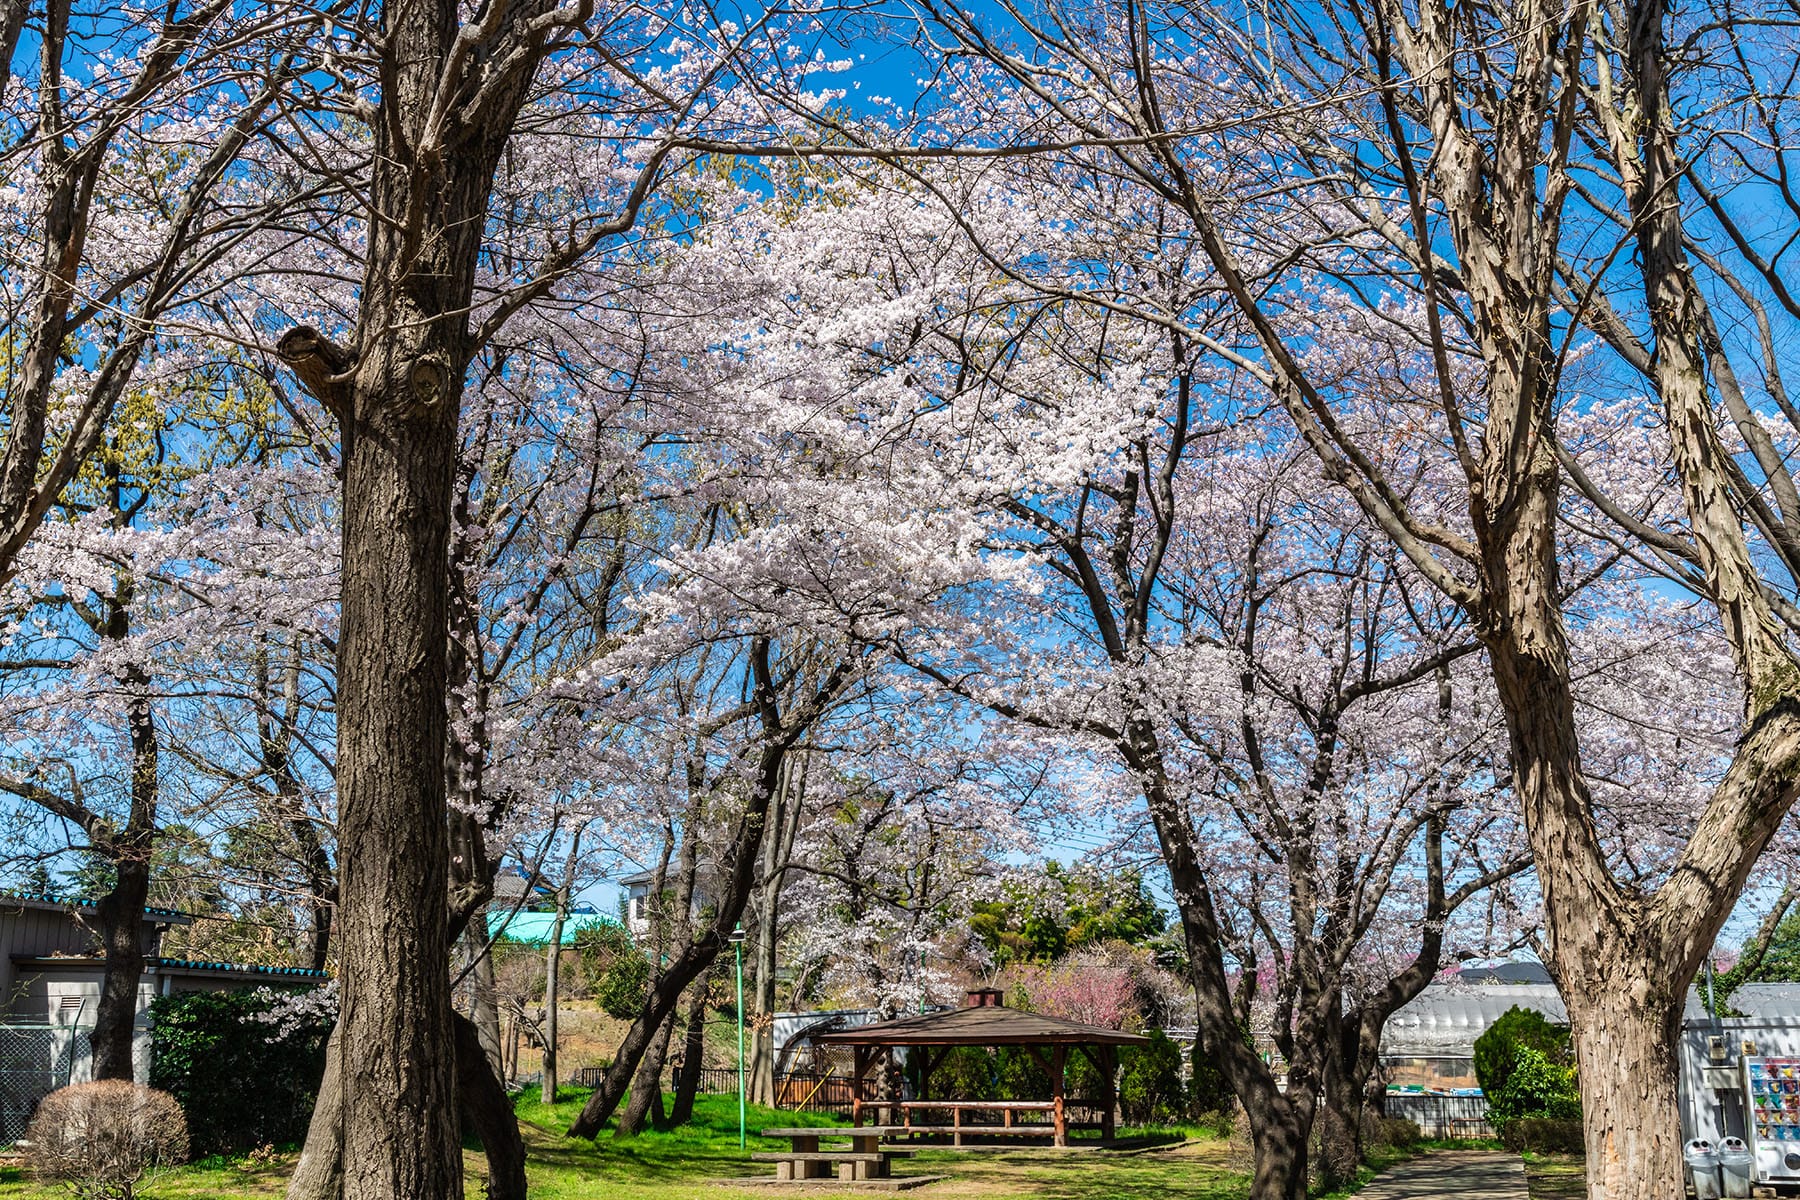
(864, 1158)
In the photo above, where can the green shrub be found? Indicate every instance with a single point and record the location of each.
(1208, 1089)
(1399, 1133)
(1496, 1050)
(964, 1073)
(1209, 1092)
(1017, 1075)
(1535, 1087)
(1150, 1090)
(624, 986)
(1541, 1135)
(242, 1082)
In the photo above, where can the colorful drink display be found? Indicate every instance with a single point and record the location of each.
(1775, 1098)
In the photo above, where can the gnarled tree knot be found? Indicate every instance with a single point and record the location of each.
(323, 366)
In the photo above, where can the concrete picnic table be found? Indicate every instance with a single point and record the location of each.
(864, 1158)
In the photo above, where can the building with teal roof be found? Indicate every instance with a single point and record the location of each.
(533, 928)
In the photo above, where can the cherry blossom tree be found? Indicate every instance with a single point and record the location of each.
(1330, 164)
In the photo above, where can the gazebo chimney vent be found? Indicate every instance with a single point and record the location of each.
(984, 998)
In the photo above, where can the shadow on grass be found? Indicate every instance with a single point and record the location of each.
(1555, 1176)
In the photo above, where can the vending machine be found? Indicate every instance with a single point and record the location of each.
(1772, 1117)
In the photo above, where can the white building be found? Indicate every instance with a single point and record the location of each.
(50, 973)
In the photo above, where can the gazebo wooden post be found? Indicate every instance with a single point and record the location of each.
(1109, 1095)
(859, 1056)
(1059, 1058)
(890, 1079)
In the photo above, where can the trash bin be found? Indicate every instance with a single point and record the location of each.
(1737, 1166)
(1702, 1168)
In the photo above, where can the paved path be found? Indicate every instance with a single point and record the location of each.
(1458, 1174)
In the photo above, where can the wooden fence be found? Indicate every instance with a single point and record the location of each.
(798, 1091)
(807, 1091)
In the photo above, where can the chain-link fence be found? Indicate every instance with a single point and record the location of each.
(35, 1060)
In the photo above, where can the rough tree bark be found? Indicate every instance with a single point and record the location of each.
(693, 1056)
(772, 877)
(644, 1104)
(450, 96)
(120, 913)
(485, 1109)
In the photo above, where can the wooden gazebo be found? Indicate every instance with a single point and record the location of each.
(985, 1021)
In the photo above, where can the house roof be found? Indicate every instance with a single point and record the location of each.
(513, 884)
(46, 900)
(980, 1025)
(533, 928)
(1767, 999)
(195, 967)
(174, 966)
(1444, 1020)
(705, 873)
(1506, 972)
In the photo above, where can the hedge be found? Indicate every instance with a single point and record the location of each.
(1541, 1135)
(243, 1083)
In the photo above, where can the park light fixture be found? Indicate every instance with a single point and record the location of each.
(737, 945)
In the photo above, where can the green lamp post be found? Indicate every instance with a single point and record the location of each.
(737, 945)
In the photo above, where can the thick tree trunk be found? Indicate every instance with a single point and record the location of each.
(445, 119)
(488, 1113)
(1625, 1046)
(399, 1094)
(486, 1110)
(693, 1057)
(1339, 1126)
(1279, 1131)
(398, 421)
(646, 1100)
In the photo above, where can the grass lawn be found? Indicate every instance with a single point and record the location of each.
(689, 1164)
(1555, 1176)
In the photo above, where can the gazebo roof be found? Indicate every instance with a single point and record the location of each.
(980, 1025)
